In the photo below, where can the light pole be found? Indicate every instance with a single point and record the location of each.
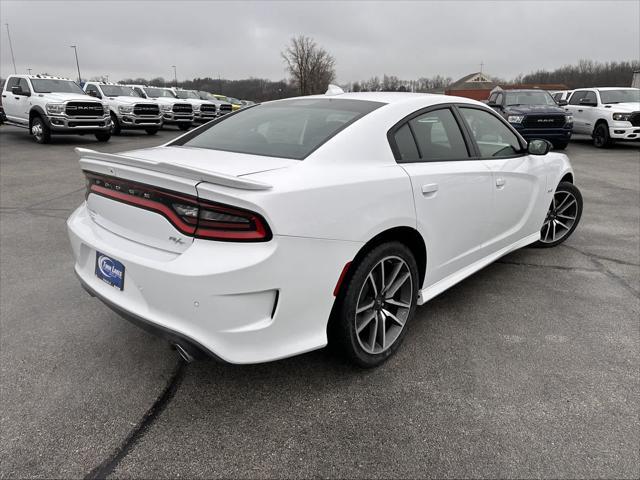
(75, 49)
(29, 70)
(11, 48)
(175, 75)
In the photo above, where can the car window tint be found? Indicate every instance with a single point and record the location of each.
(576, 97)
(406, 144)
(438, 136)
(493, 137)
(24, 85)
(287, 128)
(589, 97)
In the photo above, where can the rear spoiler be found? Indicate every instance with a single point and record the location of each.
(171, 169)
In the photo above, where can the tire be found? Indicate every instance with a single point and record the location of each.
(560, 145)
(601, 138)
(103, 136)
(184, 126)
(39, 130)
(116, 129)
(562, 217)
(151, 131)
(364, 344)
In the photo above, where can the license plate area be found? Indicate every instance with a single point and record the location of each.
(110, 270)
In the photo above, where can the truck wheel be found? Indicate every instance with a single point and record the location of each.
(39, 130)
(151, 131)
(601, 138)
(184, 126)
(103, 136)
(115, 125)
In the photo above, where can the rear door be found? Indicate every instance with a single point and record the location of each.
(452, 192)
(518, 179)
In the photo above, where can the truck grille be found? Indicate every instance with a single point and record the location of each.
(635, 119)
(144, 109)
(543, 121)
(84, 109)
(225, 108)
(182, 108)
(207, 108)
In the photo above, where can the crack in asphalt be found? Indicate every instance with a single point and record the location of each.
(553, 267)
(150, 416)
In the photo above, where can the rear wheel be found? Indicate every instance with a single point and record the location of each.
(115, 125)
(151, 131)
(375, 305)
(103, 136)
(40, 131)
(562, 217)
(601, 138)
(184, 126)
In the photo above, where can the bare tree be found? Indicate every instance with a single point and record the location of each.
(310, 66)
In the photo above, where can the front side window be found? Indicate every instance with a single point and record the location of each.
(494, 138)
(589, 98)
(184, 95)
(22, 83)
(438, 136)
(288, 129)
(576, 97)
(50, 85)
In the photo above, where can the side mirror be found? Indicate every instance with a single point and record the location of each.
(539, 147)
(562, 103)
(17, 90)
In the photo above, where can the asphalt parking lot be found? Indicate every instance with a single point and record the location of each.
(528, 368)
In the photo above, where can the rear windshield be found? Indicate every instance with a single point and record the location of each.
(288, 129)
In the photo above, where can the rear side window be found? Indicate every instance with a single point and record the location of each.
(287, 129)
(438, 136)
(494, 138)
(406, 144)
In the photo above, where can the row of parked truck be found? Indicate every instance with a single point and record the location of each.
(606, 114)
(48, 105)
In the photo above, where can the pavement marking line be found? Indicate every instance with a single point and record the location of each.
(151, 415)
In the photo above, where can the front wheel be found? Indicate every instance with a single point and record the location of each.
(103, 136)
(116, 128)
(562, 217)
(374, 306)
(601, 138)
(184, 126)
(40, 131)
(560, 145)
(151, 131)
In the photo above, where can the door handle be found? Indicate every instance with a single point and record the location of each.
(430, 189)
(4, 96)
(500, 182)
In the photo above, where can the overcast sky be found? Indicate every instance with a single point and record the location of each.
(244, 39)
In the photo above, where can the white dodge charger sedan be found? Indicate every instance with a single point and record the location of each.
(287, 225)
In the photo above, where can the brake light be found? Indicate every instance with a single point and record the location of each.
(188, 214)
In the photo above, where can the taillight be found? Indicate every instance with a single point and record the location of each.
(188, 214)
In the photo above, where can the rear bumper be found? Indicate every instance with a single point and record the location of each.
(242, 303)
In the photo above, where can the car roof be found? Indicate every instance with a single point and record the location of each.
(397, 98)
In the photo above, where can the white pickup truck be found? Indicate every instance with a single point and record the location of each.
(606, 114)
(174, 111)
(49, 105)
(203, 110)
(128, 110)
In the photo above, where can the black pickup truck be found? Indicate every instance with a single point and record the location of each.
(534, 114)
